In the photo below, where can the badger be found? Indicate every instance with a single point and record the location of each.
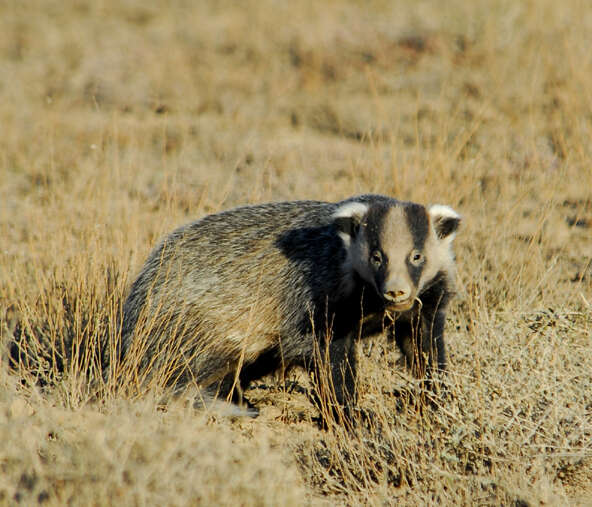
(237, 295)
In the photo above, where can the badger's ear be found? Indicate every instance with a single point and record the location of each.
(347, 219)
(445, 220)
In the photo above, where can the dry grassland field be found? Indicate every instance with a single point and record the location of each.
(121, 120)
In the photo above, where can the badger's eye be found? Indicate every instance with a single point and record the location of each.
(416, 257)
(376, 258)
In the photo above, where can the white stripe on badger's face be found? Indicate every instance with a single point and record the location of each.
(398, 242)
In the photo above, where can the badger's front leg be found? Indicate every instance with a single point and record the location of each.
(420, 336)
(335, 378)
(343, 372)
(432, 341)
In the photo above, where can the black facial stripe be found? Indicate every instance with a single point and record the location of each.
(419, 225)
(380, 277)
(414, 271)
(374, 225)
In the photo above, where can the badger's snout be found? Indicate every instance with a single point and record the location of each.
(399, 296)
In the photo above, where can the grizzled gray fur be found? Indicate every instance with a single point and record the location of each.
(243, 293)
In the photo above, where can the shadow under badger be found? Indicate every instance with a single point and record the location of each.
(246, 292)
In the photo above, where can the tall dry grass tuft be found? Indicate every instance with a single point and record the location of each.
(122, 120)
(65, 336)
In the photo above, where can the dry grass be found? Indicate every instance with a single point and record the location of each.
(122, 120)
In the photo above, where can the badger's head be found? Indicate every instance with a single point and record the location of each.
(398, 248)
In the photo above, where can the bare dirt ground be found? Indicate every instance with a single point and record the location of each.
(120, 120)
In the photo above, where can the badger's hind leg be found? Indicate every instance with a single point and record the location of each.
(219, 399)
(230, 389)
(225, 397)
